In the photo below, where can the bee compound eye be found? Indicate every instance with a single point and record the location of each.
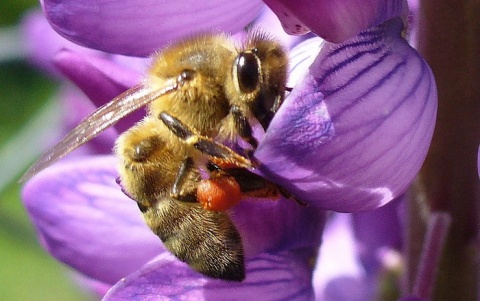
(247, 71)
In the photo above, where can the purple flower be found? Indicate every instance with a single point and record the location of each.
(350, 136)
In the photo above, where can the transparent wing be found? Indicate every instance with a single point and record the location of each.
(103, 118)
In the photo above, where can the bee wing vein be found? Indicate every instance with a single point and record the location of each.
(103, 118)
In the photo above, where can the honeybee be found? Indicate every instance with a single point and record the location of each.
(201, 94)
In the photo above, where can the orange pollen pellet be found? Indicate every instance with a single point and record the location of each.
(219, 194)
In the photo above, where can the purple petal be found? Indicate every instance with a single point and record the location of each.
(353, 135)
(269, 22)
(85, 221)
(339, 275)
(140, 27)
(41, 42)
(378, 231)
(285, 225)
(300, 59)
(333, 20)
(282, 276)
(413, 22)
(75, 107)
(100, 79)
(97, 287)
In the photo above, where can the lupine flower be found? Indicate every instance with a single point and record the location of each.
(351, 136)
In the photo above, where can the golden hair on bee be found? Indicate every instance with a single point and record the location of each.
(199, 93)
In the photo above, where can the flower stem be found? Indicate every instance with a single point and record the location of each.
(437, 229)
(449, 39)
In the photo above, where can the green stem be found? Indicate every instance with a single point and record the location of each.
(449, 39)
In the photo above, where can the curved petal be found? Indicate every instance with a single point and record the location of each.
(282, 276)
(101, 79)
(377, 232)
(140, 27)
(339, 274)
(41, 42)
(413, 17)
(268, 21)
(85, 221)
(94, 286)
(284, 225)
(333, 20)
(301, 57)
(354, 133)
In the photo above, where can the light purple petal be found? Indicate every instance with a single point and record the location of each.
(268, 21)
(76, 106)
(41, 42)
(376, 232)
(272, 226)
(301, 57)
(140, 27)
(413, 22)
(353, 135)
(339, 274)
(333, 20)
(281, 276)
(96, 287)
(85, 221)
(101, 79)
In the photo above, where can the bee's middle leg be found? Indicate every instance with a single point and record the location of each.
(216, 152)
(183, 188)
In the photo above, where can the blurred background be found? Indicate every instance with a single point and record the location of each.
(28, 117)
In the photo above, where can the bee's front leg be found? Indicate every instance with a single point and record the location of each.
(243, 127)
